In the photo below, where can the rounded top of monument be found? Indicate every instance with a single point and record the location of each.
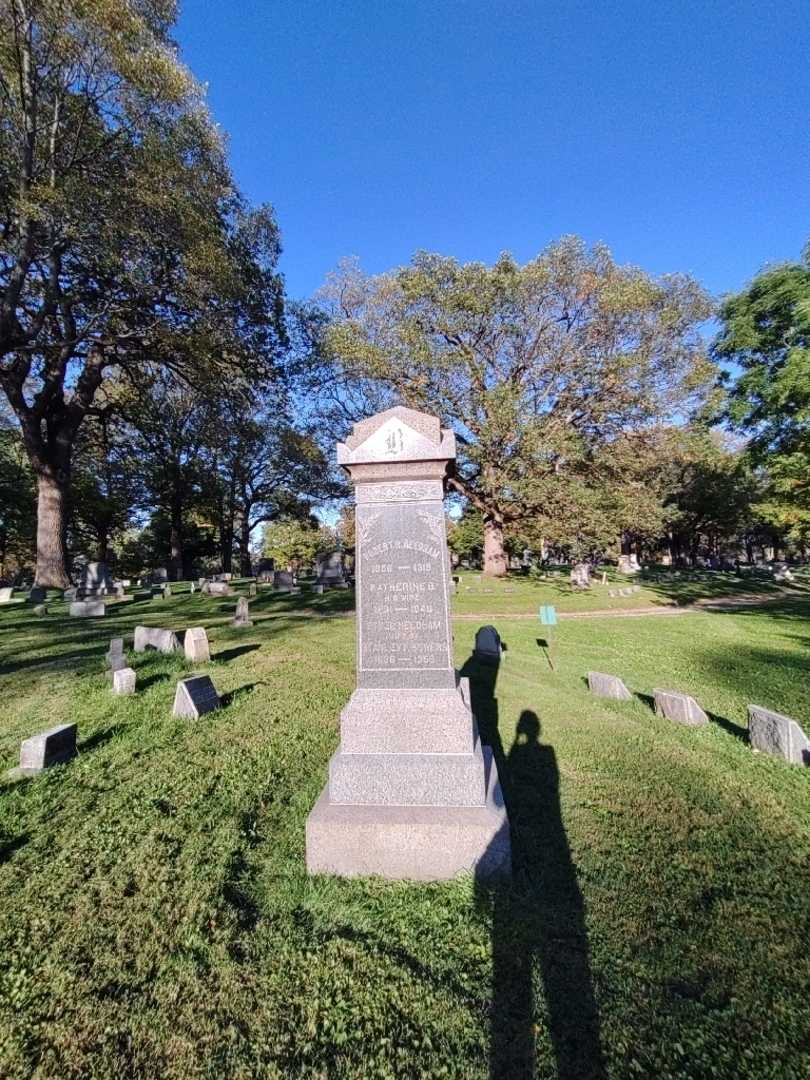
(396, 435)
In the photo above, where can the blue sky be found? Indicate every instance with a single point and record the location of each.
(676, 132)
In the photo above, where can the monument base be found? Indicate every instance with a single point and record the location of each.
(411, 843)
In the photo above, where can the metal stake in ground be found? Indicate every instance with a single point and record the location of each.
(548, 617)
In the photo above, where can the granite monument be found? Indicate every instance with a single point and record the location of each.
(412, 793)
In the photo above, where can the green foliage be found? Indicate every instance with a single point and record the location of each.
(554, 375)
(465, 537)
(17, 505)
(766, 335)
(292, 543)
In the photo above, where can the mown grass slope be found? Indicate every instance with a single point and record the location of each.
(156, 919)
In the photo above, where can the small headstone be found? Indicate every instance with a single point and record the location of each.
(87, 608)
(217, 588)
(195, 645)
(488, 647)
(242, 616)
(330, 570)
(151, 637)
(608, 686)
(124, 679)
(628, 564)
(5, 594)
(319, 589)
(48, 748)
(193, 588)
(167, 591)
(161, 574)
(775, 733)
(116, 649)
(612, 593)
(252, 589)
(119, 590)
(37, 595)
(581, 576)
(679, 707)
(40, 609)
(283, 581)
(194, 697)
(69, 595)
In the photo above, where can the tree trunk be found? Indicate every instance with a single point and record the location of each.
(494, 554)
(244, 547)
(52, 513)
(176, 543)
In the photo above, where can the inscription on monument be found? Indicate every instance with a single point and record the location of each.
(403, 624)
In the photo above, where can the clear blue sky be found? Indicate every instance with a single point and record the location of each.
(676, 132)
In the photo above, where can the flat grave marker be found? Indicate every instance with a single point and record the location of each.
(194, 697)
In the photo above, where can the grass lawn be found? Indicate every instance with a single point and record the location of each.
(156, 919)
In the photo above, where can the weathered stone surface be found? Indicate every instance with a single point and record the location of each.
(608, 686)
(167, 591)
(581, 576)
(6, 594)
(40, 610)
(48, 748)
(252, 588)
(87, 608)
(488, 648)
(36, 595)
(124, 680)
(416, 843)
(196, 645)
(193, 588)
(152, 637)
(283, 580)
(242, 616)
(775, 733)
(217, 588)
(411, 792)
(329, 569)
(679, 707)
(408, 722)
(194, 697)
(116, 649)
(161, 574)
(71, 594)
(628, 564)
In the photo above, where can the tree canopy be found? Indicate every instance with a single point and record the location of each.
(554, 375)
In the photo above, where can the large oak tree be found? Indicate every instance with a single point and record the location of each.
(550, 373)
(120, 228)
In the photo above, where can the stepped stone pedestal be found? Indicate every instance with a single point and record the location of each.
(412, 793)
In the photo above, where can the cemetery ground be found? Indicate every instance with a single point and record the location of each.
(156, 918)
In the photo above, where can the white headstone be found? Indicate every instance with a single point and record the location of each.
(124, 680)
(196, 645)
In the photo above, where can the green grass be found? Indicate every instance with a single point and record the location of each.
(156, 919)
(517, 594)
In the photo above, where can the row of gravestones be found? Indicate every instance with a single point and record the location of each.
(768, 731)
(194, 696)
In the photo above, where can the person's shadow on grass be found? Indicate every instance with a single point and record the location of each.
(538, 919)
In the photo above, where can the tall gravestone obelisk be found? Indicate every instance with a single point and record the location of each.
(412, 793)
